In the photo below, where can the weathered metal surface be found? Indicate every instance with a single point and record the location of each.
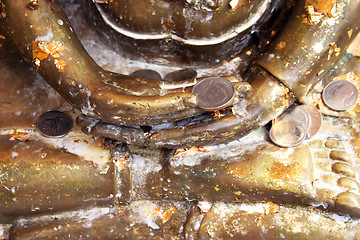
(247, 188)
(55, 175)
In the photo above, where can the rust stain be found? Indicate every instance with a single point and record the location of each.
(333, 49)
(183, 152)
(272, 207)
(217, 114)
(317, 10)
(38, 166)
(60, 64)
(322, 6)
(168, 24)
(356, 143)
(166, 215)
(244, 170)
(3, 13)
(280, 171)
(281, 45)
(33, 4)
(156, 211)
(121, 163)
(44, 49)
(19, 136)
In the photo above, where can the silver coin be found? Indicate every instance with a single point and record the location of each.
(287, 133)
(299, 115)
(340, 95)
(54, 123)
(214, 93)
(315, 119)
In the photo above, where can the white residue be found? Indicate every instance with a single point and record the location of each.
(224, 209)
(87, 108)
(17, 113)
(318, 47)
(331, 129)
(14, 154)
(341, 218)
(81, 145)
(204, 206)
(85, 215)
(282, 153)
(4, 231)
(167, 86)
(144, 213)
(141, 166)
(319, 204)
(47, 38)
(231, 151)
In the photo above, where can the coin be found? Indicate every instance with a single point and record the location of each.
(340, 95)
(287, 133)
(54, 123)
(180, 75)
(299, 115)
(214, 93)
(146, 73)
(315, 119)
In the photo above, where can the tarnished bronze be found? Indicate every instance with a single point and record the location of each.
(305, 50)
(180, 20)
(54, 179)
(180, 75)
(203, 221)
(154, 219)
(73, 188)
(133, 101)
(284, 182)
(262, 105)
(297, 27)
(185, 32)
(146, 73)
(54, 50)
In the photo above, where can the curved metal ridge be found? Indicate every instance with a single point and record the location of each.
(229, 34)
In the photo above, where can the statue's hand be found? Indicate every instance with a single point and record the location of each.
(251, 110)
(44, 37)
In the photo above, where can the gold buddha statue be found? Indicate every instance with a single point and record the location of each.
(144, 160)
